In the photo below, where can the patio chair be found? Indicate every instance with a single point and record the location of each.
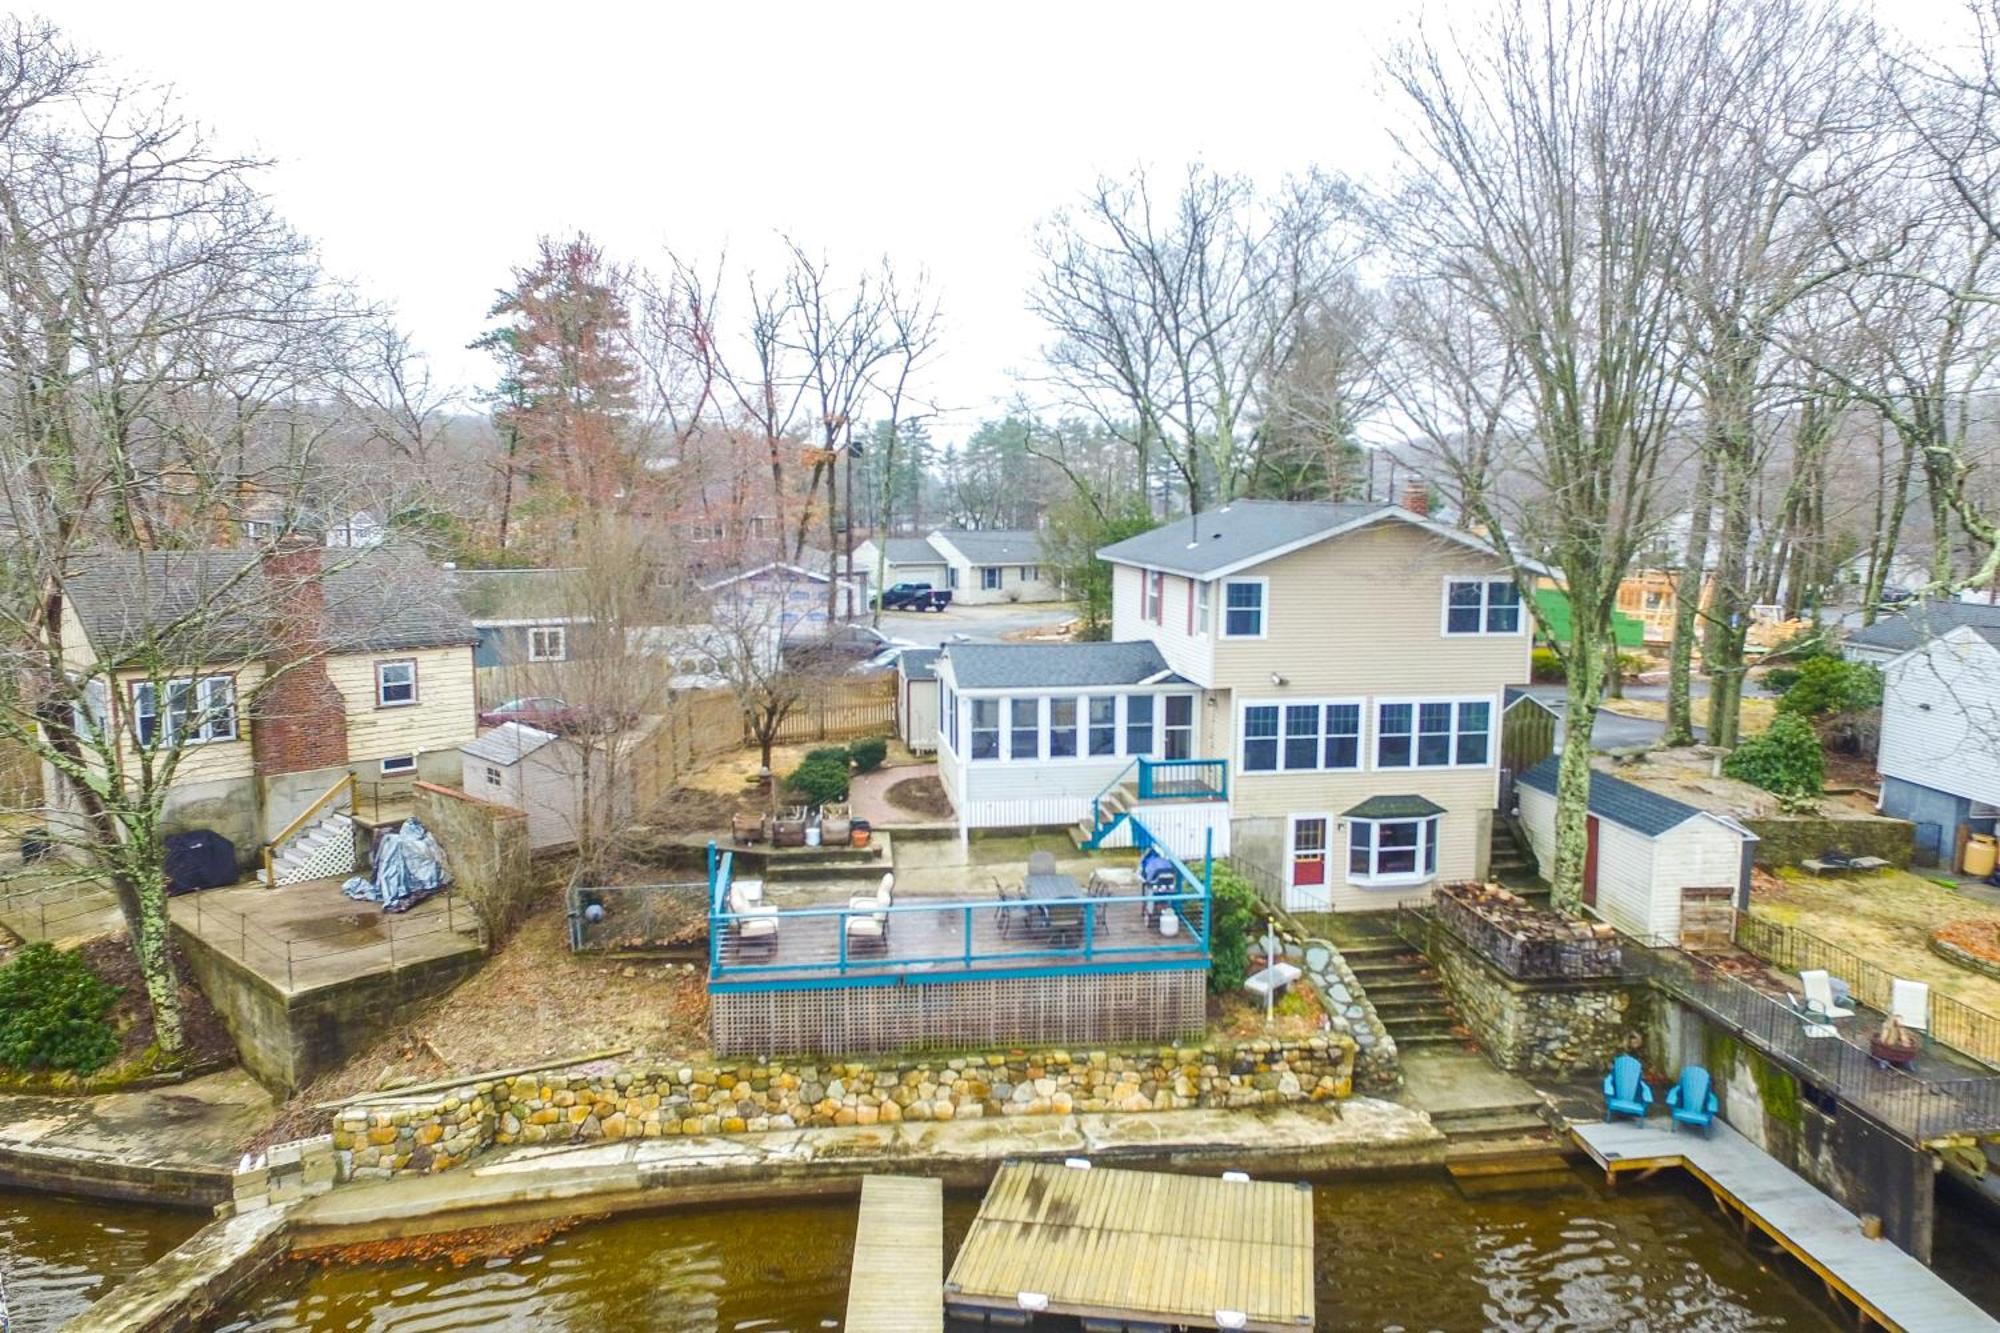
(1692, 1100)
(755, 926)
(872, 930)
(1041, 863)
(1625, 1093)
(1819, 1000)
(1910, 1001)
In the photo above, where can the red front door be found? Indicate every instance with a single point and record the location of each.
(1590, 861)
(1308, 886)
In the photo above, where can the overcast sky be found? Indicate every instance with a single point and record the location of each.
(426, 145)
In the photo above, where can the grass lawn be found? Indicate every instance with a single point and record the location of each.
(1886, 918)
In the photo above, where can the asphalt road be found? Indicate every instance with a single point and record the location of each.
(1615, 731)
(973, 624)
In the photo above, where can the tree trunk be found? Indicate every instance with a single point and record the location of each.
(152, 946)
(1687, 606)
(1888, 535)
(1729, 617)
(1573, 774)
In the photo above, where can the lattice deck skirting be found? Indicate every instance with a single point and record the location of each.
(1070, 1010)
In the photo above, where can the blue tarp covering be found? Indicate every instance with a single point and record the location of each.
(409, 867)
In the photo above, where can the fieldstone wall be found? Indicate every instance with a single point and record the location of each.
(485, 848)
(1377, 1068)
(1534, 1027)
(1786, 840)
(439, 1131)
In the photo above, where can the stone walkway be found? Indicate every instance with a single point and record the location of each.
(1360, 1131)
(168, 1144)
(868, 796)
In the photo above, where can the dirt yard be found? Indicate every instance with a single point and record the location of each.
(922, 797)
(1757, 711)
(1886, 918)
(533, 1000)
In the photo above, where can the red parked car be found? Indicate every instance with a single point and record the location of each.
(542, 712)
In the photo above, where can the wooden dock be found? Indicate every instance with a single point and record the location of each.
(1138, 1248)
(1884, 1283)
(897, 1281)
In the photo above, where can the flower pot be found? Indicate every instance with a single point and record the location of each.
(860, 832)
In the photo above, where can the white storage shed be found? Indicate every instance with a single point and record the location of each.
(532, 771)
(917, 699)
(1655, 868)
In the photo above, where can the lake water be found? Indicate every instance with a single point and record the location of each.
(58, 1255)
(1396, 1253)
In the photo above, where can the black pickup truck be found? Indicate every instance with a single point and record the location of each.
(915, 597)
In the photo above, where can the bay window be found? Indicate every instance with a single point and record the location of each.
(1482, 606)
(1393, 850)
(1433, 733)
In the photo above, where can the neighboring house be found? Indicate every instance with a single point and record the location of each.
(1920, 622)
(1653, 865)
(523, 616)
(540, 774)
(994, 566)
(1903, 572)
(374, 661)
(789, 596)
(910, 560)
(1939, 754)
(1317, 687)
(917, 699)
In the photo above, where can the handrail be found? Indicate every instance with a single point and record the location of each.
(299, 821)
(1206, 789)
(1109, 787)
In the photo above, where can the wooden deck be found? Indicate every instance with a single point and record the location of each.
(1882, 1281)
(1139, 1247)
(929, 937)
(896, 1284)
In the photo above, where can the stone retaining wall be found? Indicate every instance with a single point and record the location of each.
(1785, 840)
(436, 1132)
(1349, 1013)
(1533, 1027)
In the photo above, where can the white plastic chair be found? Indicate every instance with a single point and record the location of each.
(873, 928)
(1819, 995)
(755, 923)
(1910, 1001)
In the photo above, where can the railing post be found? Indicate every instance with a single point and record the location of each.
(1089, 921)
(1208, 889)
(841, 923)
(968, 939)
(711, 870)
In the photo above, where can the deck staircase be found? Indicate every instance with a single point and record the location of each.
(323, 849)
(1405, 991)
(1114, 806)
(1512, 864)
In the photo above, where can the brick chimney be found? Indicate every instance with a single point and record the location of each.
(1417, 497)
(300, 722)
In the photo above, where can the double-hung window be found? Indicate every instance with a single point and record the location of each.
(951, 719)
(985, 728)
(1179, 729)
(1024, 728)
(1103, 710)
(1062, 728)
(1392, 851)
(1482, 606)
(989, 577)
(548, 643)
(1243, 608)
(1155, 594)
(1203, 593)
(1139, 724)
(1433, 733)
(198, 710)
(1301, 737)
(395, 684)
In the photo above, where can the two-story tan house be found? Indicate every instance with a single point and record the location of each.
(1316, 688)
(272, 674)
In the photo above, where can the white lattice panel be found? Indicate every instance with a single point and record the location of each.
(330, 857)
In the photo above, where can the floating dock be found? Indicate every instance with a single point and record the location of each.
(1883, 1282)
(1137, 1250)
(897, 1280)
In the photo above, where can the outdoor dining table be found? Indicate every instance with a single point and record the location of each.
(1066, 919)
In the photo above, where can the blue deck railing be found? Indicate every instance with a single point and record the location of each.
(1183, 779)
(952, 939)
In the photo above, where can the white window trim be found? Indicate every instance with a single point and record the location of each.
(1292, 822)
(561, 654)
(1374, 727)
(1263, 608)
(401, 767)
(198, 687)
(999, 577)
(1040, 728)
(1082, 694)
(1364, 759)
(1204, 608)
(1430, 828)
(1153, 597)
(414, 698)
(1444, 609)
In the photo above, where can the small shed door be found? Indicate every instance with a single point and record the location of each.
(1590, 861)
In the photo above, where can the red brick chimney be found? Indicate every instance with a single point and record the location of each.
(300, 722)
(1417, 497)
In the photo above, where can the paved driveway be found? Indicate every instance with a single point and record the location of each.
(974, 624)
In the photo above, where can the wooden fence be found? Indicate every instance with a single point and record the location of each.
(843, 710)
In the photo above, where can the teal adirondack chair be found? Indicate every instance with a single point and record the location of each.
(1625, 1093)
(1692, 1100)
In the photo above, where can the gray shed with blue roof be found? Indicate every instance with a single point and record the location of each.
(1654, 864)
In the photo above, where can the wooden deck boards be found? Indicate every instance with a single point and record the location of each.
(897, 1281)
(1896, 1290)
(1139, 1245)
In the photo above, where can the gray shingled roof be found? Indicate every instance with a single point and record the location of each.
(207, 605)
(1395, 807)
(1243, 531)
(507, 743)
(1928, 620)
(919, 663)
(997, 546)
(1003, 666)
(1617, 800)
(912, 551)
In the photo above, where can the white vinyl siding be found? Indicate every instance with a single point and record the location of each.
(1941, 718)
